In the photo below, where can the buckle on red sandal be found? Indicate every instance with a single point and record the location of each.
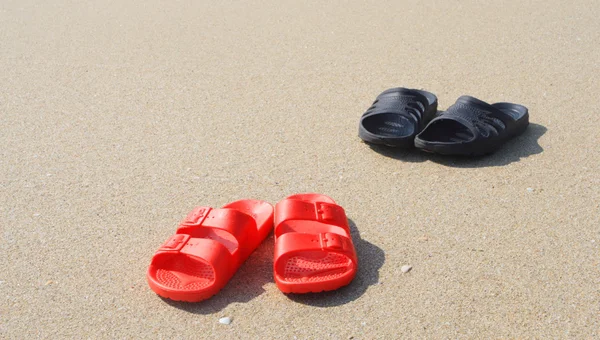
(195, 217)
(175, 243)
(326, 211)
(331, 241)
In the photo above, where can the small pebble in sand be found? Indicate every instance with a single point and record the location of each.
(225, 320)
(529, 189)
(406, 268)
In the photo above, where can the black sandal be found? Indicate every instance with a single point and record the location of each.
(473, 127)
(397, 116)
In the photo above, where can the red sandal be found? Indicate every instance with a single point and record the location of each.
(208, 248)
(313, 247)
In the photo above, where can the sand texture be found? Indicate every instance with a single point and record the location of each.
(118, 117)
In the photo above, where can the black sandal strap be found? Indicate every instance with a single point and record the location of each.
(405, 102)
(481, 118)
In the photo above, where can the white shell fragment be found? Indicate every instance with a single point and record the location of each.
(225, 320)
(406, 268)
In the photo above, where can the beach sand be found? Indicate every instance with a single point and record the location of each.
(118, 117)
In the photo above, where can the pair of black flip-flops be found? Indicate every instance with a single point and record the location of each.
(408, 118)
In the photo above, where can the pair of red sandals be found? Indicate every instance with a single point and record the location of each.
(313, 247)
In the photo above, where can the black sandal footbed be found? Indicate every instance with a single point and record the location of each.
(397, 116)
(473, 127)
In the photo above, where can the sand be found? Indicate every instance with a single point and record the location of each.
(118, 117)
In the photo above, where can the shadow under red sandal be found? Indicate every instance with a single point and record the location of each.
(208, 248)
(313, 247)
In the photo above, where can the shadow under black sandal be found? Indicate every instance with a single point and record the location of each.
(397, 116)
(473, 127)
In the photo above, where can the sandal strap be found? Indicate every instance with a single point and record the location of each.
(404, 102)
(329, 213)
(479, 117)
(241, 226)
(289, 243)
(210, 251)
